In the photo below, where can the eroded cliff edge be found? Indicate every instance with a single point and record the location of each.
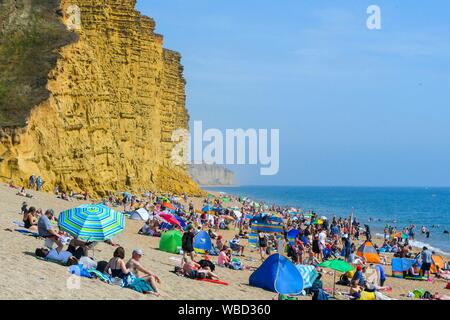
(112, 98)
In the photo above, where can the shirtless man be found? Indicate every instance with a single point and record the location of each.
(192, 268)
(135, 267)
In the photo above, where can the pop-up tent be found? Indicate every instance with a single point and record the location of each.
(438, 261)
(202, 242)
(170, 241)
(140, 214)
(367, 251)
(277, 274)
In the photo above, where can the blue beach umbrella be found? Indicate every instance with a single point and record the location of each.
(92, 222)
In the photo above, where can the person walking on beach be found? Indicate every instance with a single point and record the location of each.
(39, 183)
(187, 242)
(31, 182)
(262, 239)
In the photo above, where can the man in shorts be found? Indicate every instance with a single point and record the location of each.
(427, 260)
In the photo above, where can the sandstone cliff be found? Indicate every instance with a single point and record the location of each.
(102, 117)
(211, 175)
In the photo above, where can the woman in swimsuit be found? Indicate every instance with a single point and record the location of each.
(262, 239)
(29, 219)
(116, 266)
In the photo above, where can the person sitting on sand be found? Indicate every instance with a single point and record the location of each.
(359, 276)
(57, 255)
(145, 230)
(219, 243)
(355, 289)
(29, 219)
(412, 271)
(311, 260)
(135, 266)
(236, 246)
(224, 257)
(116, 267)
(45, 227)
(24, 208)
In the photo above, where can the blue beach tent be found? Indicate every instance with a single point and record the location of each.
(277, 274)
(202, 242)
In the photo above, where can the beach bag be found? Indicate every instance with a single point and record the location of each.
(427, 295)
(367, 296)
(79, 270)
(448, 286)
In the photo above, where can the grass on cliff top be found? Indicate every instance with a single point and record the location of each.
(30, 37)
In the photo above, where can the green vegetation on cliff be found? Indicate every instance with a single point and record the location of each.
(31, 33)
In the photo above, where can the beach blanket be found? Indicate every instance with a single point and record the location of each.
(99, 275)
(309, 275)
(214, 281)
(416, 278)
(28, 233)
(140, 285)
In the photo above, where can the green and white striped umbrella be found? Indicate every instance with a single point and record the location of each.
(92, 222)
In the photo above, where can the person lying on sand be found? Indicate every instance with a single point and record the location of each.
(441, 274)
(193, 270)
(135, 266)
(23, 193)
(58, 255)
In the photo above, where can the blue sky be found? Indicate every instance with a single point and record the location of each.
(354, 106)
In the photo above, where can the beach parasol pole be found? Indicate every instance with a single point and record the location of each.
(351, 224)
(334, 284)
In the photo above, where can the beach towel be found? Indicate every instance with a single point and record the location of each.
(418, 278)
(309, 275)
(140, 285)
(213, 281)
(29, 233)
(99, 275)
(19, 223)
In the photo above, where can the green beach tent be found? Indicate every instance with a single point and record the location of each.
(171, 241)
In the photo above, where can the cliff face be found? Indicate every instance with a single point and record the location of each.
(211, 175)
(115, 97)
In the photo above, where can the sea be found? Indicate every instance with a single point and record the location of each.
(375, 206)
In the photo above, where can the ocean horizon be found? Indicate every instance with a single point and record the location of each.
(376, 206)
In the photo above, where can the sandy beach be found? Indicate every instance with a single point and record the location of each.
(29, 278)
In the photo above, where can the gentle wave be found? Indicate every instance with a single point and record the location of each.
(420, 245)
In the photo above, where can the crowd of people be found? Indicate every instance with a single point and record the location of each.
(317, 239)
